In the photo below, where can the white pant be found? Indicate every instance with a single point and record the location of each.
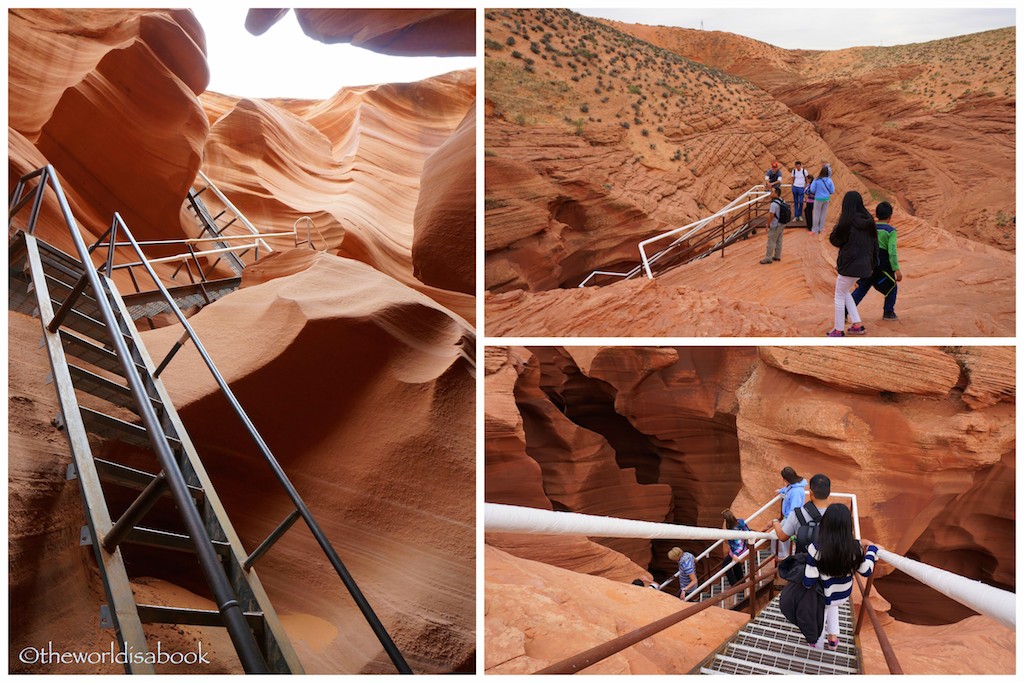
(831, 621)
(844, 302)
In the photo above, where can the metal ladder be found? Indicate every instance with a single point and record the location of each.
(84, 317)
(94, 349)
(209, 225)
(770, 644)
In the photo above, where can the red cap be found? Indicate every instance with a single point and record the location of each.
(775, 164)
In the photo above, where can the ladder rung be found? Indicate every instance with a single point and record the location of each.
(103, 388)
(113, 428)
(159, 614)
(85, 303)
(131, 478)
(89, 326)
(93, 353)
(169, 540)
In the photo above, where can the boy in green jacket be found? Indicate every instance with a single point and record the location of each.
(887, 270)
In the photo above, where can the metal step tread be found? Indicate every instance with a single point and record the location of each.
(733, 665)
(157, 538)
(93, 353)
(782, 623)
(132, 478)
(776, 639)
(842, 663)
(162, 614)
(790, 665)
(89, 326)
(114, 428)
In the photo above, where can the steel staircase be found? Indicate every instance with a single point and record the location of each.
(772, 645)
(215, 226)
(95, 351)
(109, 388)
(722, 584)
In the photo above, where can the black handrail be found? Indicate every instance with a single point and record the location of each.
(227, 603)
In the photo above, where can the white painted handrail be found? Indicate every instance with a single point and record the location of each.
(513, 518)
(231, 207)
(757, 193)
(988, 600)
(984, 599)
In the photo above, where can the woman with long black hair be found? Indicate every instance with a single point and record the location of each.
(857, 238)
(832, 559)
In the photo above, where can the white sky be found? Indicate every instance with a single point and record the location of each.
(818, 25)
(285, 62)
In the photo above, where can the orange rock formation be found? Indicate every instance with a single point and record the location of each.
(621, 140)
(350, 365)
(407, 32)
(923, 436)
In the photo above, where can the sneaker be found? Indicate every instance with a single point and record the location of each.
(776, 259)
(890, 316)
(765, 261)
(856, 329)
(832, 643)
(835, 333)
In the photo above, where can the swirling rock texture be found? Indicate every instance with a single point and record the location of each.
(621, 139)
(923, 436)
(350, 368)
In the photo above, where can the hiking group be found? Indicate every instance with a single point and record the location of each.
(867, 249)
(820, 570)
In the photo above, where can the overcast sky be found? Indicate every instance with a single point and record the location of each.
(819, 26)
(285, 62)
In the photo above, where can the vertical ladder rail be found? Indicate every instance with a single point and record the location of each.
(117, 586)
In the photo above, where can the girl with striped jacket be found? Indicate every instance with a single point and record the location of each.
(831, 560)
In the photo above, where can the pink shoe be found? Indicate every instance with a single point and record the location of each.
(835, 333)
(856, 329)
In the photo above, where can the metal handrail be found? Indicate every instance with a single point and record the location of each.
(309, 237)
(603, 651)
(238, 628)
(360, 600)
(707, 553)
(758, 193)
(883, 640)
(231, 207)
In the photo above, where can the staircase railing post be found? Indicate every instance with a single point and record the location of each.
(864, 604)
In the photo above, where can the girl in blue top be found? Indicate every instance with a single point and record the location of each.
(737, 547)
(822, 188)
(793, 495)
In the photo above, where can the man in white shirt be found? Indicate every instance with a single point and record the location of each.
(799, 185)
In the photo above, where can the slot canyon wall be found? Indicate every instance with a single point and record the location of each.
(924, 437)
(347, 358)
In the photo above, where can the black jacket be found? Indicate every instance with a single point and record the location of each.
(803, 607)
(858, 247)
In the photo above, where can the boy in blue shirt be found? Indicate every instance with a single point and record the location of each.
(887, 270)
(687, 570)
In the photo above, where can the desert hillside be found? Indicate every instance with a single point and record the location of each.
(923, 436)
(347, 356)
(930, 126)
(596, 139)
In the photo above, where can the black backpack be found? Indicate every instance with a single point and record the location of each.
(809, 519)
(785, 213)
